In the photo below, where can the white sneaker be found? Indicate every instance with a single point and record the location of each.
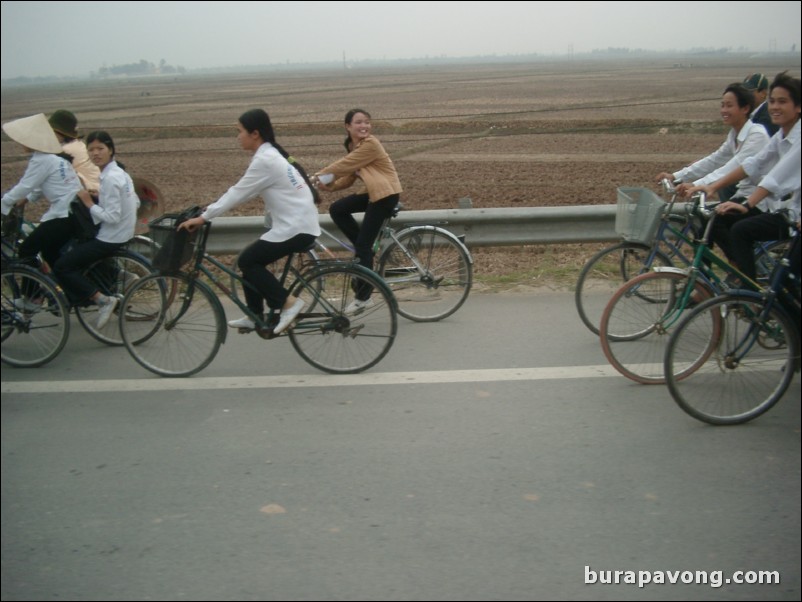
(358, 306)
(288, 315)
(104, 312)
(26, 305)
(244, 323)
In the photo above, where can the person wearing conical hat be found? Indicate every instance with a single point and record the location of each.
(65, 125)
(47, 175)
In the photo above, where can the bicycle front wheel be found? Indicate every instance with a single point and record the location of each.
(605, 272)
(334, 337)
(35, 315)
(638, 320)
(112, 276)
(176, 324)
(754, 354)
(429, 271)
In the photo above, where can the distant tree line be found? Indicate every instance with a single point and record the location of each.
(143, 67)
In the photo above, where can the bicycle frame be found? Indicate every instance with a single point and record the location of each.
(702, 266)
(387, 236)
(264, 326)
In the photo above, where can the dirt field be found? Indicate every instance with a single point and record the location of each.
(505, 135)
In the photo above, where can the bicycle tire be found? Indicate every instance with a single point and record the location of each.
(605, 272)
(36, 334)
(185, 328)
(638, 320)
(447, 275)
(112, 276)
(329, 339)
(724, 390)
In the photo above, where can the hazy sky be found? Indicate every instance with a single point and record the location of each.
(76, 38)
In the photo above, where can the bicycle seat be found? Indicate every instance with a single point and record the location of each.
(396, 209)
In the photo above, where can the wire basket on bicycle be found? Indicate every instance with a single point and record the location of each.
(176, 247)
(638, 214)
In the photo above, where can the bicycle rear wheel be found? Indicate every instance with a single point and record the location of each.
(35, 318)
(605, 272)
(754, 356)
(439, 284)
(329, 338)
(112, 276)
(179, 324)
(638, 320)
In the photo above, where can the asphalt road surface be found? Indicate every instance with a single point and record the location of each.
(492, 456)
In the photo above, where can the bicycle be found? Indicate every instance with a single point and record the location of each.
(111, 275)
(35, 316)
(653, 236)
(639, 317)
(429, 269)
(183, 322)
(733, 357)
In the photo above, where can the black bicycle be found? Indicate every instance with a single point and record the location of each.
(182, 322)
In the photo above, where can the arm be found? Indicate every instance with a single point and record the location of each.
(30, 184)
(364, 154)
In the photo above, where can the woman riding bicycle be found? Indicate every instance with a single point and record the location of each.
(115, 211)
(369, 162)
(289, 199)
(47, 175)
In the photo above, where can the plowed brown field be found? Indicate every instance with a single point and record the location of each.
(505, 135)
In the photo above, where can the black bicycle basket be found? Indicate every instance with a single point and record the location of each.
(175, 247)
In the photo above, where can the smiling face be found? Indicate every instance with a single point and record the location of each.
(784, 113)
(359, 128)
(99, 154)
(731, 113)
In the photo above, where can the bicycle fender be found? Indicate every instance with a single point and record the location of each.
(443, 231)
(670, 270)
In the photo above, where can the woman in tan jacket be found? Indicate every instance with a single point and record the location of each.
(368, 162)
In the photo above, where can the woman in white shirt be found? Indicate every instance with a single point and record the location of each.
(115, 212)
(289, 199)
(47, 175)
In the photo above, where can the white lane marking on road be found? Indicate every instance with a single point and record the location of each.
(309, 380)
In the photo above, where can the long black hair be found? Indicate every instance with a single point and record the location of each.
(257, 120)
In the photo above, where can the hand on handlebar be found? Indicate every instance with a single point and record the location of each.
(191, 224)
(692, 190)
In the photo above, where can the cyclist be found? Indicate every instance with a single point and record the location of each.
(776, 168)
(369, 162)
(115, 211)
(47, 175)
(290, 200)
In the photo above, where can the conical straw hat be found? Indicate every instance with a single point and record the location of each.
(33, 132)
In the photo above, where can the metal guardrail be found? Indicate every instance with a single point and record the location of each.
(481, 227)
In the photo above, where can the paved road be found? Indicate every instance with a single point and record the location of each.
(493, 456)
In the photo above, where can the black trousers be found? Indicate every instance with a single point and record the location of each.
(721, 233)
(48, 238)
(362, 237)
(763, 227)
(253, 263)
(69, 269)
